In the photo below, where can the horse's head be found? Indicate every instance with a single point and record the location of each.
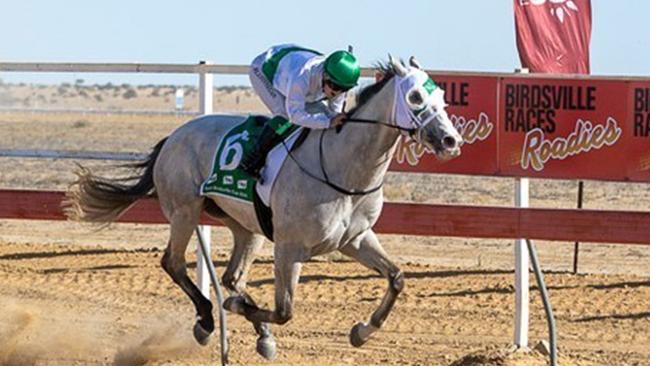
(420, 105)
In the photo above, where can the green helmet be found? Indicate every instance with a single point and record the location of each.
(343, 69)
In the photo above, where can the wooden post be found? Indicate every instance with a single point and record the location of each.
(576, 248)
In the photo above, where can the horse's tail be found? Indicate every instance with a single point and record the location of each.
(98, 199)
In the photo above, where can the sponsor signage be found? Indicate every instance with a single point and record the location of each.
(562, 128)
(573, 128)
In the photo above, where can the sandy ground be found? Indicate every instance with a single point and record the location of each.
(70, 304)
(72, 295)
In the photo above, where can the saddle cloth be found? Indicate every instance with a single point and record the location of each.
(228, 180)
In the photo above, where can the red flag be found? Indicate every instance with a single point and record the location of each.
(553, 35)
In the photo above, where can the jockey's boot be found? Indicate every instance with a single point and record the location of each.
(253, 162)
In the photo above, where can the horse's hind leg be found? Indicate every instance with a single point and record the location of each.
(370, 253)
(246, 244)
(288, 262)
(183, 221)
(234, 279)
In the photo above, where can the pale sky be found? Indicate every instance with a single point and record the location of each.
(472, 35)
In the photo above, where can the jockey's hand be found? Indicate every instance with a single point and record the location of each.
(338, 120)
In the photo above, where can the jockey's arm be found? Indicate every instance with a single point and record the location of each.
(336, 104)
(296, 107)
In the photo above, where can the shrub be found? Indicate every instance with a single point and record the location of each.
(106, 86)
(80, 124)
(130, 93)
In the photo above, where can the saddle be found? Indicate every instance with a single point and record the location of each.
(227, 180)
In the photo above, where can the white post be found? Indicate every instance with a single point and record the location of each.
(521, 264)
(521, 272)
(205, 107)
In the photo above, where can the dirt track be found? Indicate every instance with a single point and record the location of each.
(68, 304)
(74, 296)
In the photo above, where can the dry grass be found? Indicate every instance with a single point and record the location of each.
(122, 97)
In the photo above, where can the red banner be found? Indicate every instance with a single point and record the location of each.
(543, 127)
(473, 110)
(553, 35)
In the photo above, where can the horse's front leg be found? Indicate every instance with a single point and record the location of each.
(369, 252)
(288, 262)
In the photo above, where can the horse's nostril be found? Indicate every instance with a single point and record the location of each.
(448, 142)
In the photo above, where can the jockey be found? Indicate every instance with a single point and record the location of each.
(299, 86)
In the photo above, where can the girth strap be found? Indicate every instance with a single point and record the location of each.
(264, 215)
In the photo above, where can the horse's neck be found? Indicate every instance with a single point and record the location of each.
(359, 156)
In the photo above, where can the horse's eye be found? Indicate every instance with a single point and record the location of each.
(415, 98)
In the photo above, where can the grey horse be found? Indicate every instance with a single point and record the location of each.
(313, 213)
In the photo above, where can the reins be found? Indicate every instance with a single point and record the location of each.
(327, 180)
(376, 122)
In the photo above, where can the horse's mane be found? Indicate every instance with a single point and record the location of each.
(387, 71)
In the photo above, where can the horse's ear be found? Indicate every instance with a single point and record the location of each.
(399, 67)
(415, 63)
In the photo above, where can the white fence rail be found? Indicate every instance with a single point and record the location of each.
(200, 68)
(130, 112)
(203, 67)
(71, 154)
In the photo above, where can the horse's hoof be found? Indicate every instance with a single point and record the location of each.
(201, 335)
(266, 347)
(235, 304)
(356, 337)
